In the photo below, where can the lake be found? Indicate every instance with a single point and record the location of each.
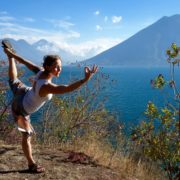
(130, 92)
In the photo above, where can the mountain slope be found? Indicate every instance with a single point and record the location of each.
(25, 50)
(145, 48)
(35, 52)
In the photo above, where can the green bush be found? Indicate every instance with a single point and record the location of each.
(158, 135)
(79, 114)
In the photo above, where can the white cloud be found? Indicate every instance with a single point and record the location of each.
(98, 28)
(63, 39)
(90, 48)
(16, 31)
(6, 18)
(6, 24)
(60, 23)
(85, 49)
(96, 13)
(116, 19)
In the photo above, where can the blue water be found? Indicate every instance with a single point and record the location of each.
(130, 91)
(130, 95)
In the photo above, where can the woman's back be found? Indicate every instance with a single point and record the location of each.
(32, 101)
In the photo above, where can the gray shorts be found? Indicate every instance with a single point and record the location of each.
(19, 90)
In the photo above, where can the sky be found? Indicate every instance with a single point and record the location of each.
(81, 26)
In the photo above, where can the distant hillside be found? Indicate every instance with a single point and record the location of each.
(24, 49)
(145, 48)
(35, 52)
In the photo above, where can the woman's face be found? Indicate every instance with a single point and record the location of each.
(56, 68)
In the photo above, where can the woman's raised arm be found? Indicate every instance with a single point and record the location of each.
(61, 89)
(21, 60)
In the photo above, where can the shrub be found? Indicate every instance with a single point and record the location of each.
(79, 114)
(158, 134)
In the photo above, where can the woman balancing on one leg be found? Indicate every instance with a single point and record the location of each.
(27, 100)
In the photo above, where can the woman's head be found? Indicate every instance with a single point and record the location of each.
(52, 64)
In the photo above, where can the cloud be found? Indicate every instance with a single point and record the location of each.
(83, 50)
(116, 19)
(98, 28)
(6, 18)
(63, 39)
(60, 23)
(96, 13)
(91, 48)
(16, 31)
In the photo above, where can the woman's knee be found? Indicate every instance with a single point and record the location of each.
(26, 137)
(23, 122)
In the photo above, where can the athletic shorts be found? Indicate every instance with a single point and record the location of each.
(19, 90)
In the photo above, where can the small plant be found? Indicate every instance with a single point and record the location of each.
(6, 122)
(5, 126)
(158, 135)
(79, 114)
(158, 82)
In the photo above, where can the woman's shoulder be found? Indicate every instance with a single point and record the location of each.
(38, 75)
(46, 88)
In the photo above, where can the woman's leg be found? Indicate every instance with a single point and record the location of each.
(21, 121)
(26, 144)
(24, 124)
(12, 69)
(27, 148)
(26, 139)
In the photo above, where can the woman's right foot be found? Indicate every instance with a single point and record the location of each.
(7, 44)
(35, 168)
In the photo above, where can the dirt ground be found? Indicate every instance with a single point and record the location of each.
(59, 165)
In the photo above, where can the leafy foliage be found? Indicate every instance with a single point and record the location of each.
(158, 82)
(158, 135)
(6, 123)
(5, 126)
(80, 114)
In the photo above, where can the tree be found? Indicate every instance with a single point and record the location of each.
(158, 135)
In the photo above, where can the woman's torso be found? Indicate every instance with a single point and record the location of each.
(32, 101)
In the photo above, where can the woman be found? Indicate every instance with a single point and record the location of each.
(28, 100)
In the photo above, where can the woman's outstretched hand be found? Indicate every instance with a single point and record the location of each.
(90, 72)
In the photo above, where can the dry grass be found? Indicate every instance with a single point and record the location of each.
(104, 155)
